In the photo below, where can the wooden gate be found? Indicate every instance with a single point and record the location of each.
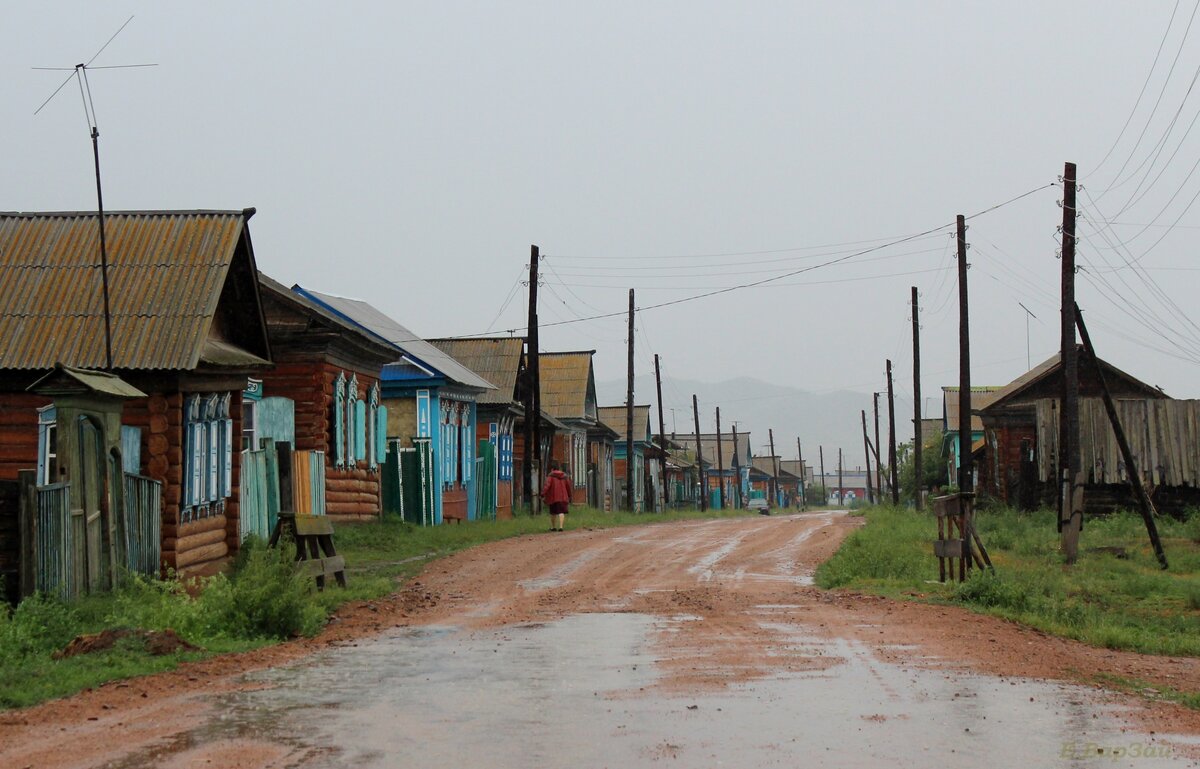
(485, 482)
(308, 482)
(258, 501)
(408, 482)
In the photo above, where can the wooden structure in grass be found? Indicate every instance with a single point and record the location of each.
(958, 547)
(315, 553)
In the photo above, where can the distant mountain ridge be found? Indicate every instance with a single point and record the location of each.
(830, 420)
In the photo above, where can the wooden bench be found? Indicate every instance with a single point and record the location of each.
(315, 553)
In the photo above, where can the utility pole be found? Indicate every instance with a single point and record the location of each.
(841, 492)
(892, 471)
(966, 479)
(917, 466)
(720, 463)
(774, 469)
(824, 491)
(533, 405)
(699, 456)
(662, 432)
(629, 490)
(800, 458)
(867, 452)
(1131, 469)
(737, 471)
(1070, 465)
(878, 448)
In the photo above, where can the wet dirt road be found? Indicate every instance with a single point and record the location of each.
(696, 644)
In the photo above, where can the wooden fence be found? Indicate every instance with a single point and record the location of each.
(1164, 437)
(143, 524)
(270, 481)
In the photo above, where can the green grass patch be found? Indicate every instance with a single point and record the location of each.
(261, 601)
(1115, 596)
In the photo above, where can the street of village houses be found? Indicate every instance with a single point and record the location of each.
(697, 643)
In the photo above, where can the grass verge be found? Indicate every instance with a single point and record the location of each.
(1114, 597)
(260, 602)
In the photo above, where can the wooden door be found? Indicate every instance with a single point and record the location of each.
(92, 474)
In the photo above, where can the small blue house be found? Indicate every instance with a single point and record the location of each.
(432, 416)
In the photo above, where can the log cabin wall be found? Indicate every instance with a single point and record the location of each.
(19, 432)
(350, 492)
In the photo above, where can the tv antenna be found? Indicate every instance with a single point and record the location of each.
(1028, 314)
(79, 73)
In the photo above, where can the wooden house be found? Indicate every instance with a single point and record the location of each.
(501, 413)
(323, 396)
(431, 416)
(851, 492)
(981, 397)
(647, 491)
(568, 394)
(187, 330)
(1018, 459)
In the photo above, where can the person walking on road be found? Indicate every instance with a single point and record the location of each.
(557, 494)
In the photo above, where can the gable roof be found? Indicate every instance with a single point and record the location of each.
(708, 447)
(167, 271)
(981, 398)
(366, 316)
(280, 326)
(1051, 368)
(568, 385)
(496, 359)
(615, 417)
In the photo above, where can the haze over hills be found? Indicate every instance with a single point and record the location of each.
(828, 419)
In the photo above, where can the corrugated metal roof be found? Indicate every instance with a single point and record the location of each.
(165, 272)
(496, 359)
(981, 397)
(567, 384)
(615, 417)
(708, 447)
(366, 316)
(1050, 367)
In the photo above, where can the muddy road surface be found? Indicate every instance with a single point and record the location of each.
(694, 644)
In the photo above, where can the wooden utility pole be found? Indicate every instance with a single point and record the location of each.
(966, 480)
(1131, 469)
(867, 452)
(824, 491)
(662, 432)
(917, 466)
(738, 502)
(841, 493)
(1069, 462)
(774, 469)
(533, 410)
(800, 458)
(892, 471)
(629, 491)
(878, 448)
(700, 456)
(720, 463)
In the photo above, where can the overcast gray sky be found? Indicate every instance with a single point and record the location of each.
(408, 154)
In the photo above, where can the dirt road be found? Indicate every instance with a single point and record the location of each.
(701, 643)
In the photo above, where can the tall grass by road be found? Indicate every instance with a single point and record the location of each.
(1116, 596)
(260, 602)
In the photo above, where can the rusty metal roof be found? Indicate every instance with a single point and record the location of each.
(166, 270)
(616, 416)
(496, 359)
(568, 386)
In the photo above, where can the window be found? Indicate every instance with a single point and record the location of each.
(47, 469)
(352, 422)
(339, 420)
(249, 425)
(372, 436)
(208, 451)
(579, 460)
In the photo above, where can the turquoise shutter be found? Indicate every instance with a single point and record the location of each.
(227, 485)
(339, 419)
(381, 433)
(360, 430)
(468, 459)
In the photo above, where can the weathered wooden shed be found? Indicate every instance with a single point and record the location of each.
(1019, 453)
(187, 330)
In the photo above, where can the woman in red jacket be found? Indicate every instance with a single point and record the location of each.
(557, 494)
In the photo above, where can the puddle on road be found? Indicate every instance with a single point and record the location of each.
(578, 693)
